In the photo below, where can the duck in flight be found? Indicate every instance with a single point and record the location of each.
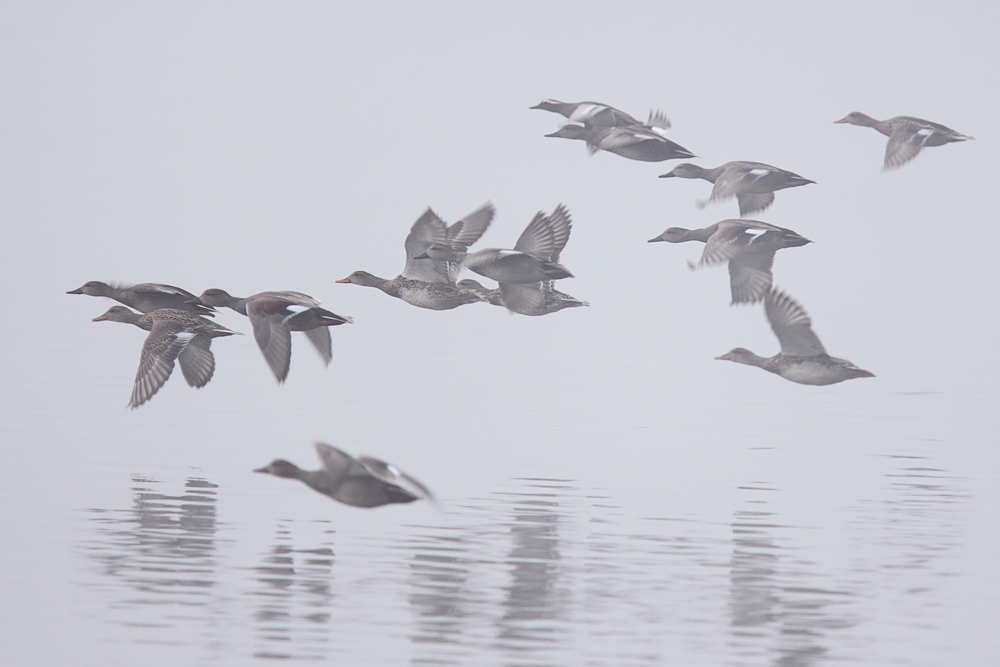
(359, 482)
(747, 245)
(273, 316)
(752, 183)
(907, 135)
(147, 297)
(425, 282)
(174, 335)
(803, 358)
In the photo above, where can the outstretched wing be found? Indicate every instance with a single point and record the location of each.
(273, 339)
(197, 361)
(165, 341)
(546, 236)
(905, 143)
(467, 231)
(791, 325)
(428, 230)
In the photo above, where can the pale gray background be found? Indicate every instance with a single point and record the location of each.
(255, 146)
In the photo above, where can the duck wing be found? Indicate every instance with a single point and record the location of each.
(750, 277)
(428, 230)
(467, 231)
(791, 325)
(732, 238)
(526, 299)
(392, 475)
(546, 236)
(320, 338)
(197, 361)
(273, 337)
(905, 143)
(165, 341)
(751, 203)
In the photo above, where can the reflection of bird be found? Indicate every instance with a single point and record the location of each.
(426, 282)
(173, 335)
(359, 482)
(752, 183)
(552, 299)
(147, 297)
(907, 135)
(274, 315)
(748, 246)
(595, 114)
(634, 142)
(802, 358)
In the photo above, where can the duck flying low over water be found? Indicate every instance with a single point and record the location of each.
(747, 245)
(274, 315)
(147, 297)
(907, 135)
(359, 482)
(802, 358)
(550, 299)
(752, 183)
(632, 142)
(596, 114)
(173, 335)
(425, 282)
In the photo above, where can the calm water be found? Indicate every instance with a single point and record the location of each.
(540, 571)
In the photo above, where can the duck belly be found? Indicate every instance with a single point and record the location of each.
(433, 300)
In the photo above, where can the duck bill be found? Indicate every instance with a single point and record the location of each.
(100, 318)
(669, 174)
(343, 280)
(78, 290)
(658, 238)
(724, 357)
(842, 120)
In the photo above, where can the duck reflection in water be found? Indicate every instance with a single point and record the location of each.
(359, 482)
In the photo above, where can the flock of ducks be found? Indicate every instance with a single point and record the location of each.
(180, 331)
(748, 246)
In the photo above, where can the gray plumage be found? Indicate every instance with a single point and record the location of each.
(428, 282)
(534, 299)
(359, 482)
(632, 142)
(752, 183)
(174, 335)
(802, 359)
(274, 315)
(147, 297)
(907, 135)
(747, 245)
(597, 114)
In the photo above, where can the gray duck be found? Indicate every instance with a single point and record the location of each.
(632, 142)
(752, 183)
(359, 482)
(173, 335)
(803, 358)
(552, 300)
(596, 114)
(426, 282)
(907, 135)
(747, 245)
(274, 315)
(147, 297)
